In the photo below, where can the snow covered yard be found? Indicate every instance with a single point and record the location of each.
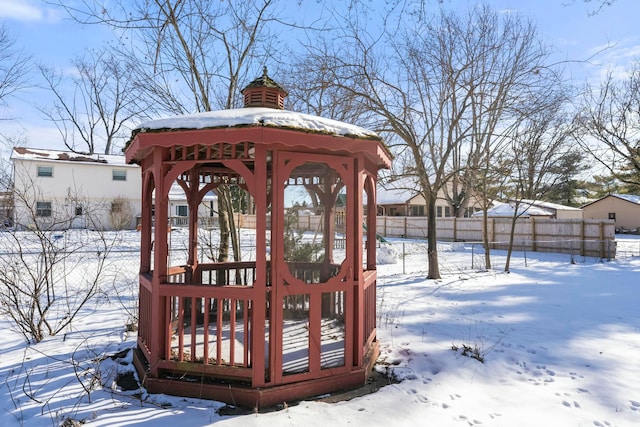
(559, 340)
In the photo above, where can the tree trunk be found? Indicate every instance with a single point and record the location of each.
(432, 242)
(485, 241)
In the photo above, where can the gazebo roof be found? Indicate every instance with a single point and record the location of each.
(257, 116)
(264, 81)
(257, 124)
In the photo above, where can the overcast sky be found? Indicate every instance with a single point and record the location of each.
(568, 25)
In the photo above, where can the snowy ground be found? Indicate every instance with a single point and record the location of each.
(559, 337)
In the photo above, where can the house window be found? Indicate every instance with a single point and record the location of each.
(116, 206)
(447, 211)
(438, 211)
(181, 210)
(612, 215)
(417, 210)
(43, 209)
(46, 171)
(119, 175)
(78, 210)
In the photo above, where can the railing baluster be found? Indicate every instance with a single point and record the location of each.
(219, 331)
(206, 302)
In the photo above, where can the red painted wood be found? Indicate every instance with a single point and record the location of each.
(261, 159)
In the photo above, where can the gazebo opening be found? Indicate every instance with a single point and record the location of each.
(289, 315)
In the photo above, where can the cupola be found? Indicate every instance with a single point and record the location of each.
(264, 92)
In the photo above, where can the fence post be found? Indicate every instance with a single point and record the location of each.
(602, 249)
(455, 228)
(582, 242)
(385, 226)
(405, 227)
(473, 255)
(534, 243)
(404, 254)
(493, 233)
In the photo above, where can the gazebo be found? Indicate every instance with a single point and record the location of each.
(294, 318)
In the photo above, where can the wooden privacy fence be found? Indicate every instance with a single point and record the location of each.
(585, 237)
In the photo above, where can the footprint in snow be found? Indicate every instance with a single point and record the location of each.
(470, 422)
(422, 398)
(635, 406)
(575, 375)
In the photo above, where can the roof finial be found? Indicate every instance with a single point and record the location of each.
(264, 71)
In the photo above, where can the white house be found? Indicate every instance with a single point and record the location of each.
(61, 190)
(179, 210)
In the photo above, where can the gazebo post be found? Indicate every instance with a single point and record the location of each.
(258, 310)
(159, 324)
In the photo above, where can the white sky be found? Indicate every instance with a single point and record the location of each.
(44, 32)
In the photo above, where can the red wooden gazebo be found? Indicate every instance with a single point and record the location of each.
(296, 317)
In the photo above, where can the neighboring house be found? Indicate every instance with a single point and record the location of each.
(402, 197)
(558, 211)
(179, 210)
(624, 209)
(533, 209)
(66, 190)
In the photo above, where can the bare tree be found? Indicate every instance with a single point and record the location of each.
(308, 80)
(46, 276)
(539, 144)
(439, 90)
(190, 55)
(15, 67)
(104, 101)
(599, 5)
(608, 125)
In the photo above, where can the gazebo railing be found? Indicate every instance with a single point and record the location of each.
(312, 272)
(210, 318)
(210, 330)
(228, 273)
(210, 314)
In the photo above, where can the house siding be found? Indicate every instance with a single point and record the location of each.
(75, 187)
(627, 214)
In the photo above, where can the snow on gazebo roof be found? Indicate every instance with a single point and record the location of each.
(257, 116)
